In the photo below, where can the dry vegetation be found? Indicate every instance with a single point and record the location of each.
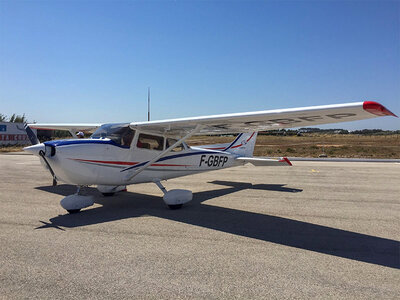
(10, 148)
(310, 145)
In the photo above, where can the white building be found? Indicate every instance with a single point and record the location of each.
(13, 134)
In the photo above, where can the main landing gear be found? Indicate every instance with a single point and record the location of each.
(175, 199)
(74, 203)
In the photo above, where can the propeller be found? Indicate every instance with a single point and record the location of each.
(34, 140)
(31, 135)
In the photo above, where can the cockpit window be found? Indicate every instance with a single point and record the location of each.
(152, 142)
(118, 133)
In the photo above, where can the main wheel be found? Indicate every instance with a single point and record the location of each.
(108, 194)
(73, 211)
(175, 206)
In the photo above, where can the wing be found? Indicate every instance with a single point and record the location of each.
(268, 119)
(68, 127)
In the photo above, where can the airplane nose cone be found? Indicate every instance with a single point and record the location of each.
(35, 149)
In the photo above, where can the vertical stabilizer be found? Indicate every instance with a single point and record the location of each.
(243, 145)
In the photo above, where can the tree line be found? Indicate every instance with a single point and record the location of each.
(305, 131)
(14, 118)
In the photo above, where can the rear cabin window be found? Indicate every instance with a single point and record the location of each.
(151, 142)
(178, 148)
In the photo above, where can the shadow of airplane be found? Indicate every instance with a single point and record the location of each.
(283, 231)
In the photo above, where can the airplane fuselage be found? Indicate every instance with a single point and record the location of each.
(102, 162)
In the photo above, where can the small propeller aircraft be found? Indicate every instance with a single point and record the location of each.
(120, 154)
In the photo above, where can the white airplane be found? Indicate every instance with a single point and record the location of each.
(117, 155)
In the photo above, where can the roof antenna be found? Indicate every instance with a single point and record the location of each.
(148, 104)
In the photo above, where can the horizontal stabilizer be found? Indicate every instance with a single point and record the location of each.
(257, 161)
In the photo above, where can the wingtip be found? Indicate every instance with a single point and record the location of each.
(377, 109)
(285, 159)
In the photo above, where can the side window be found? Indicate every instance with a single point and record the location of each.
(178, 148)
(127, 137)
(152, 142)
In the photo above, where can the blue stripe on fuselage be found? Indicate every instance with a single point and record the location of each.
(175, 156)
(83, 141)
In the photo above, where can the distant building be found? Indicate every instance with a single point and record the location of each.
(13, 134)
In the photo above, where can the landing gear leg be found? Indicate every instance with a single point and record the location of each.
(161, 187)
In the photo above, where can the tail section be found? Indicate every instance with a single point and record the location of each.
(243, 145)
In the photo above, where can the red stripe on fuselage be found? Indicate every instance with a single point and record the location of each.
(126, 163)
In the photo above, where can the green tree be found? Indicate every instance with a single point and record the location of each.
(17, 118)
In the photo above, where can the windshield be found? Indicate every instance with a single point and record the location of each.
(121, 134)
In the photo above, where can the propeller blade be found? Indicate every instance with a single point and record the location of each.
(31, 135)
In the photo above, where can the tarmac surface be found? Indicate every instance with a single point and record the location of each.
(315, 230)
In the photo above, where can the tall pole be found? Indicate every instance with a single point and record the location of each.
(148, 104)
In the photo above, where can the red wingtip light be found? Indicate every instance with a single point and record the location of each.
(285, 159)
(377, 109)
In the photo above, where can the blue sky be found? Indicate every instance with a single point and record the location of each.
(92, 61)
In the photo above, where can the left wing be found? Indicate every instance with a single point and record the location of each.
(267, 120)
(68, 127)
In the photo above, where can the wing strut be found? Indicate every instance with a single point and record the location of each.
(150, 162)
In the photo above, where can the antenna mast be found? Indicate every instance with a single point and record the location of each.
(148, 104)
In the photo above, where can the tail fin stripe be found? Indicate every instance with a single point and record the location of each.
(241, 144)
(250, 137)
(238, 137)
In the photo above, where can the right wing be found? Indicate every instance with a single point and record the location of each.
(267, 119)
